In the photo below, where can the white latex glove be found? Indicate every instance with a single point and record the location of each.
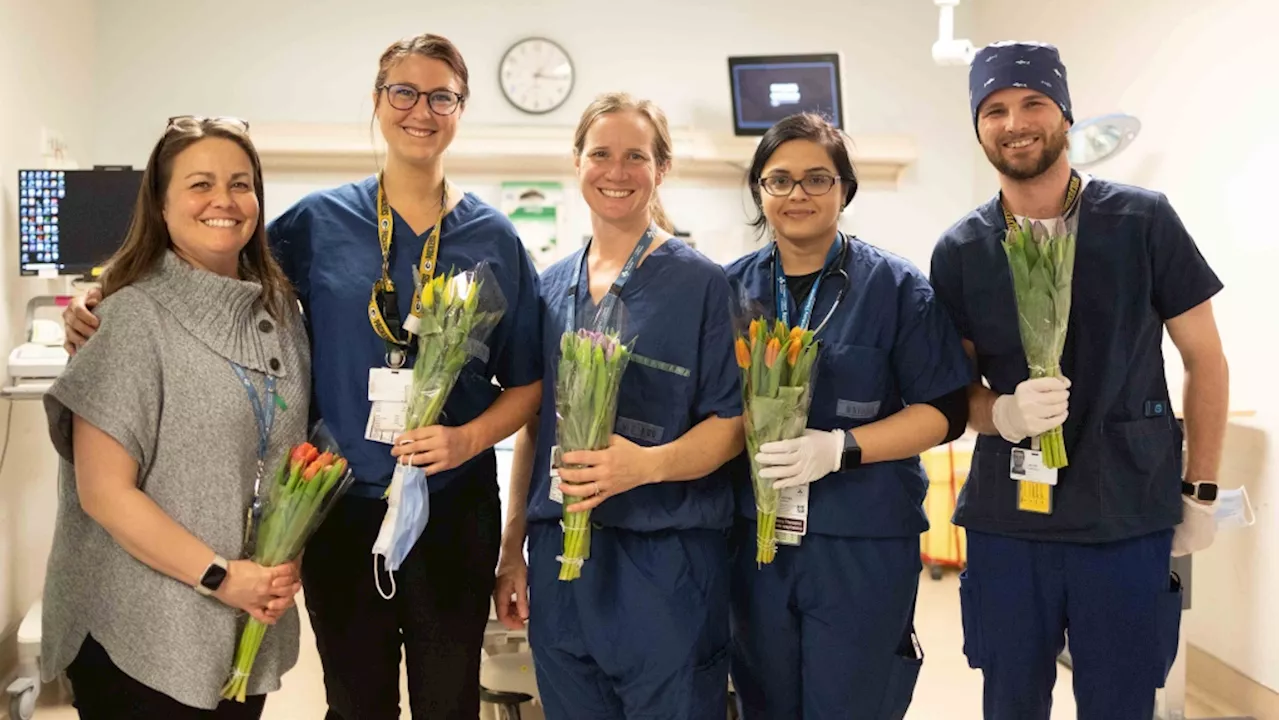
(1197, 529)
(1036, 406)
(810, 457)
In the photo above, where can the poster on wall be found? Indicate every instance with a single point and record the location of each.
(535, 208)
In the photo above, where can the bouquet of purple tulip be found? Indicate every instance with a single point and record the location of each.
(587, 381)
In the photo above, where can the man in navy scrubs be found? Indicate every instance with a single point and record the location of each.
(1085, 552)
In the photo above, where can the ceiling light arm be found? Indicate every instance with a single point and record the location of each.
(947, 50)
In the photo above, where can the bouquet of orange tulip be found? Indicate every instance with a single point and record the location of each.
(777, 373)
(301, 492)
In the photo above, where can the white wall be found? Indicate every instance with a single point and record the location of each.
(46, 69)
(1202, 77)
(315, 61)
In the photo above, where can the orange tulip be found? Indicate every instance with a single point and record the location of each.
(744, 355)
(771, 352)
(793, 351)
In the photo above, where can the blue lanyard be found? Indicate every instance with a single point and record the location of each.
(570, 317)
(782, 296)
(264, 414)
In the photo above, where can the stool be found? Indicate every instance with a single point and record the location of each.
(508, 703)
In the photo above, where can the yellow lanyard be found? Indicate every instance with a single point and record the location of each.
(384, 313)
(1073, 192)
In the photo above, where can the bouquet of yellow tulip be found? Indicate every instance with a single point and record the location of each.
(777, 373)
(459, 312)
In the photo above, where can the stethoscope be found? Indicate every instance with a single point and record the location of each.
(781, 293)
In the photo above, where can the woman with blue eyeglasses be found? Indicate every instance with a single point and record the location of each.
(355, 254)
(825, 630)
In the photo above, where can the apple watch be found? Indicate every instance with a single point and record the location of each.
(213, 576)
(1202, 491)
(852, 455)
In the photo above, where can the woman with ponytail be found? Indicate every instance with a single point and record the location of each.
(643, 631)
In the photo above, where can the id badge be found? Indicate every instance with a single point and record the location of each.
(793, 515)
(1028, 465)
(389, 393)
(557, 495)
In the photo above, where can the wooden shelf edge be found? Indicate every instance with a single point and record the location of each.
(515, 151)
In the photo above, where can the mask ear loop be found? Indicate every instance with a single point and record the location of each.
(377, 579)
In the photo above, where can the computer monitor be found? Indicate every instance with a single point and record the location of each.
(768, 88)
(71, 221)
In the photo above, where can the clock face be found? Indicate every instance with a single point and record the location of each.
(536, 75)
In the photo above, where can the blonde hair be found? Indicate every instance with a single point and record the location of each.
(622, 102)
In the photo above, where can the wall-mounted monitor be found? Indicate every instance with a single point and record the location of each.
(767, 88)
(71, 221)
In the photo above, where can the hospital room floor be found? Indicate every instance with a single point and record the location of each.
(948, 688)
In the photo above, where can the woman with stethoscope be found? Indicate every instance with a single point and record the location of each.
(355, 255)
(825, 630)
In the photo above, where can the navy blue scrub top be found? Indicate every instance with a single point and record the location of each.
(328, 246)
(682, 372)
(889, 344)
(1135, 268)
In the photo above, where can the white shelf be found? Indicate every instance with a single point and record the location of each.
(525, 151)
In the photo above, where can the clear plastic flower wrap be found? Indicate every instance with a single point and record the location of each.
(592, 361)
(777, 367)
(1042, 264)
(459, 311)
(295, 500)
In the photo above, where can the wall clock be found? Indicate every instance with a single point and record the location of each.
(536, 75)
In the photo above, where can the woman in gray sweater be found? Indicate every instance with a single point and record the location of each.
(199, 376)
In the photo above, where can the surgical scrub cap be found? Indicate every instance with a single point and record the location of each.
(1035, 66)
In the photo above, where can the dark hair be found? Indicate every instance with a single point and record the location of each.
(802, 126)
(148, 237)
(621, 102)
(428, 46)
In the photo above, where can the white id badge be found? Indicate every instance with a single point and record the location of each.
(556, 494)
(1028, 465)
(389, 393)
(793, 515)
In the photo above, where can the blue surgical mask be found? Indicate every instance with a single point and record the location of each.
(408, 508)
(1233, 509)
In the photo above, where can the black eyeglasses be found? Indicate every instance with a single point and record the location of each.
(178, 120)
(782, 185)
(405, 97)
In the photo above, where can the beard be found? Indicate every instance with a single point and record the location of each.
(1054, 145)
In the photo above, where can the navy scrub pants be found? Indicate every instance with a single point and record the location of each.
(643, 634)
(825, 631)
(1117, 602)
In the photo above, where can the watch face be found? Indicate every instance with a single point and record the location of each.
(213, 577)
(536, 75)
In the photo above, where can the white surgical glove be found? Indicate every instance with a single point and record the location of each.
(1197, 529)
(810, 457)
(1036, 406)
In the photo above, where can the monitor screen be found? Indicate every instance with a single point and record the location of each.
(71, 221)
(767, 89)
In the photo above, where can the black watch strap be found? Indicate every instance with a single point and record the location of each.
(852, 455)
(1202, 491)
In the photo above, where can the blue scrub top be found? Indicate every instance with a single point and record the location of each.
(328, 246)
(889, 344)
(682, 372)
(1135, 268)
